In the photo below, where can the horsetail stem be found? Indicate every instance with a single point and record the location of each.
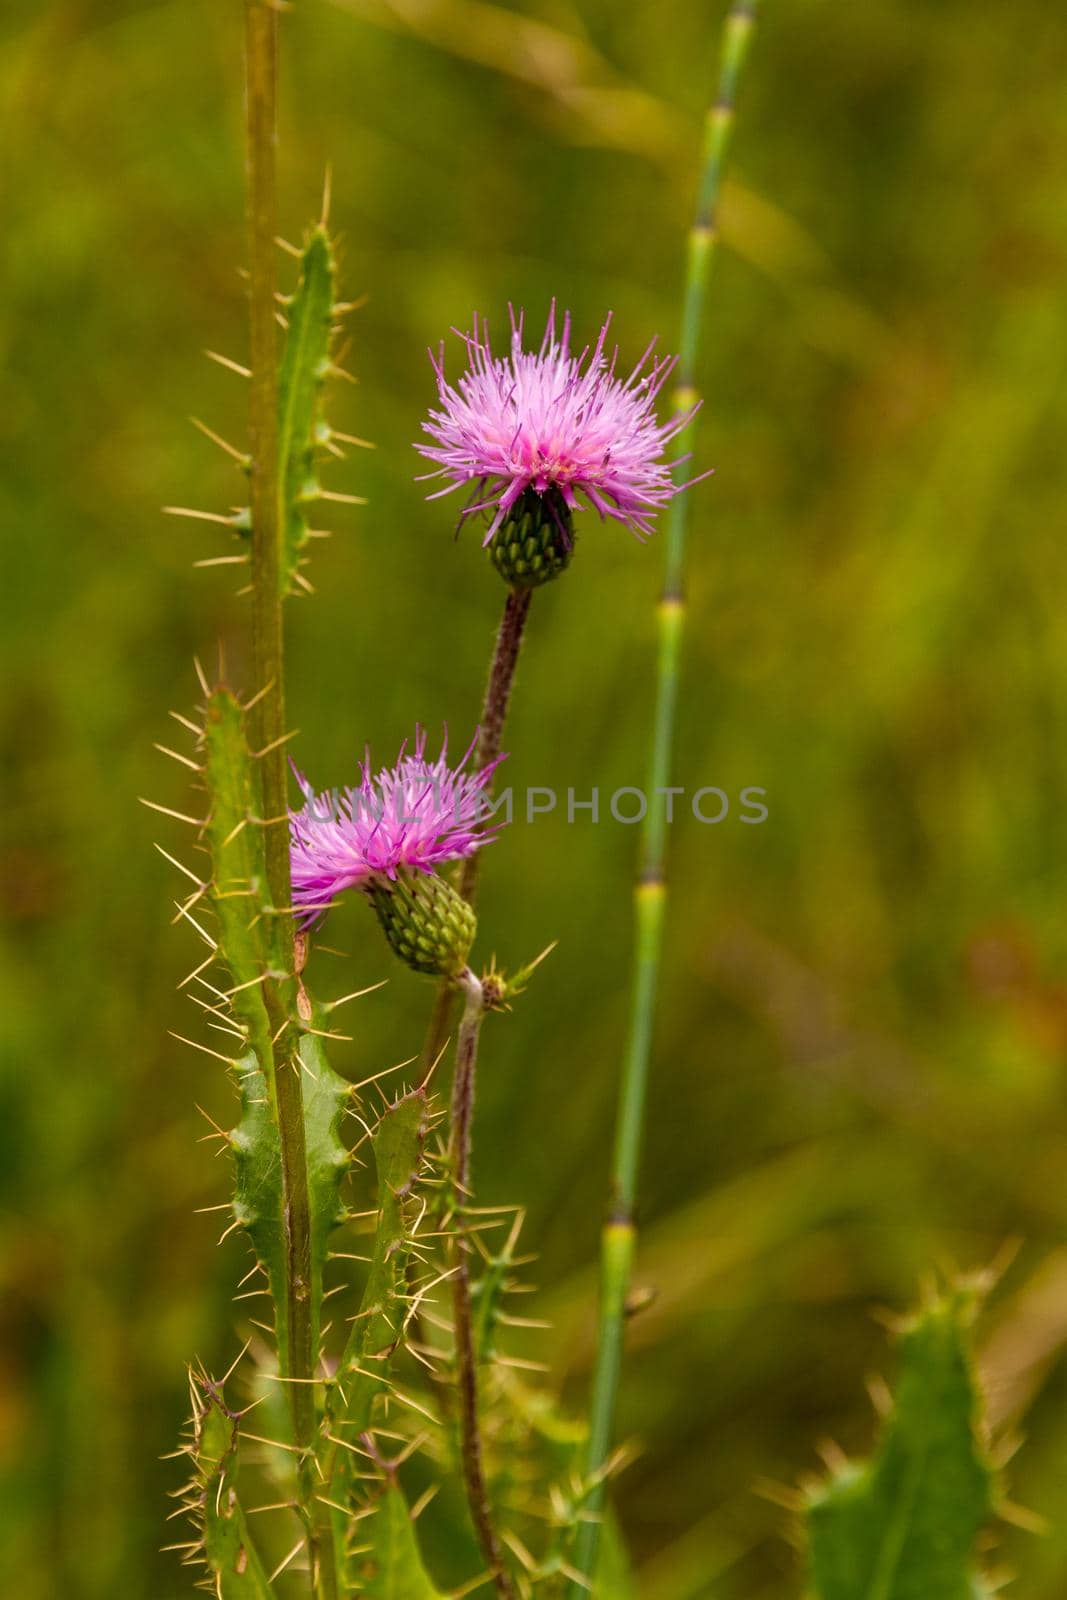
(650, 892)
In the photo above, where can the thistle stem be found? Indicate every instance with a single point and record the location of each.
(495, 710)
(268, 654)
(650, 892)
(490, 736)
(466, 1357)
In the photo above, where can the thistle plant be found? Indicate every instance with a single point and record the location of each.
(558, 426)
(298, 1457)
(387, 837)
(289, 1162)
(537, 437)
(274, 874)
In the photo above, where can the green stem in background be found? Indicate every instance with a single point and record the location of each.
(261, 39)
(650, 894)
(490, 737)
(466, 1356)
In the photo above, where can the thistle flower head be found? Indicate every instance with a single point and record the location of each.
(416, 815)
(551, 420)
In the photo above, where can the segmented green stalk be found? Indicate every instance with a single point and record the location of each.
(618, 1241)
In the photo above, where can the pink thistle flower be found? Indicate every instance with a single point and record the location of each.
(554, 420)
(416, 815)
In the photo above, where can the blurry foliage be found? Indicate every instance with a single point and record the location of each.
(860, 1053)
(903, 1525)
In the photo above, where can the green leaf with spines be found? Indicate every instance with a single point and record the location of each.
(249, 947)
(538, 1433)
(304, 435)
(326, 1098)
(903, 1526)
(310, 315)
(363, 1371)
(249, 944)
(390, 1566)
(303, 370)
(227, 1544)
(487, 1294)
(258, 1202)
(248, 926)
(258, 1198)
(400, 1163)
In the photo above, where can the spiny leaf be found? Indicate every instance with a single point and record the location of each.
(363, 1371)
(304, 366)
(325, 1097)
(246, 938)
(227, 1543)
(399, 1161)
(235, 836)
(487, 1293)
(258, 1197)
(552, 1445)
(903, 1526)
(303, 434)
(392, 1568)
(250, 947)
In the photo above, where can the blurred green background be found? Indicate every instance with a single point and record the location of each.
(860, 1054)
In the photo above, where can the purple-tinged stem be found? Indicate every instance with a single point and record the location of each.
(490, 736)
(466, 1357)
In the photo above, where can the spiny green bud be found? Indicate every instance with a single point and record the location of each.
(428, 924)
(498, 990)
(535, 542)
